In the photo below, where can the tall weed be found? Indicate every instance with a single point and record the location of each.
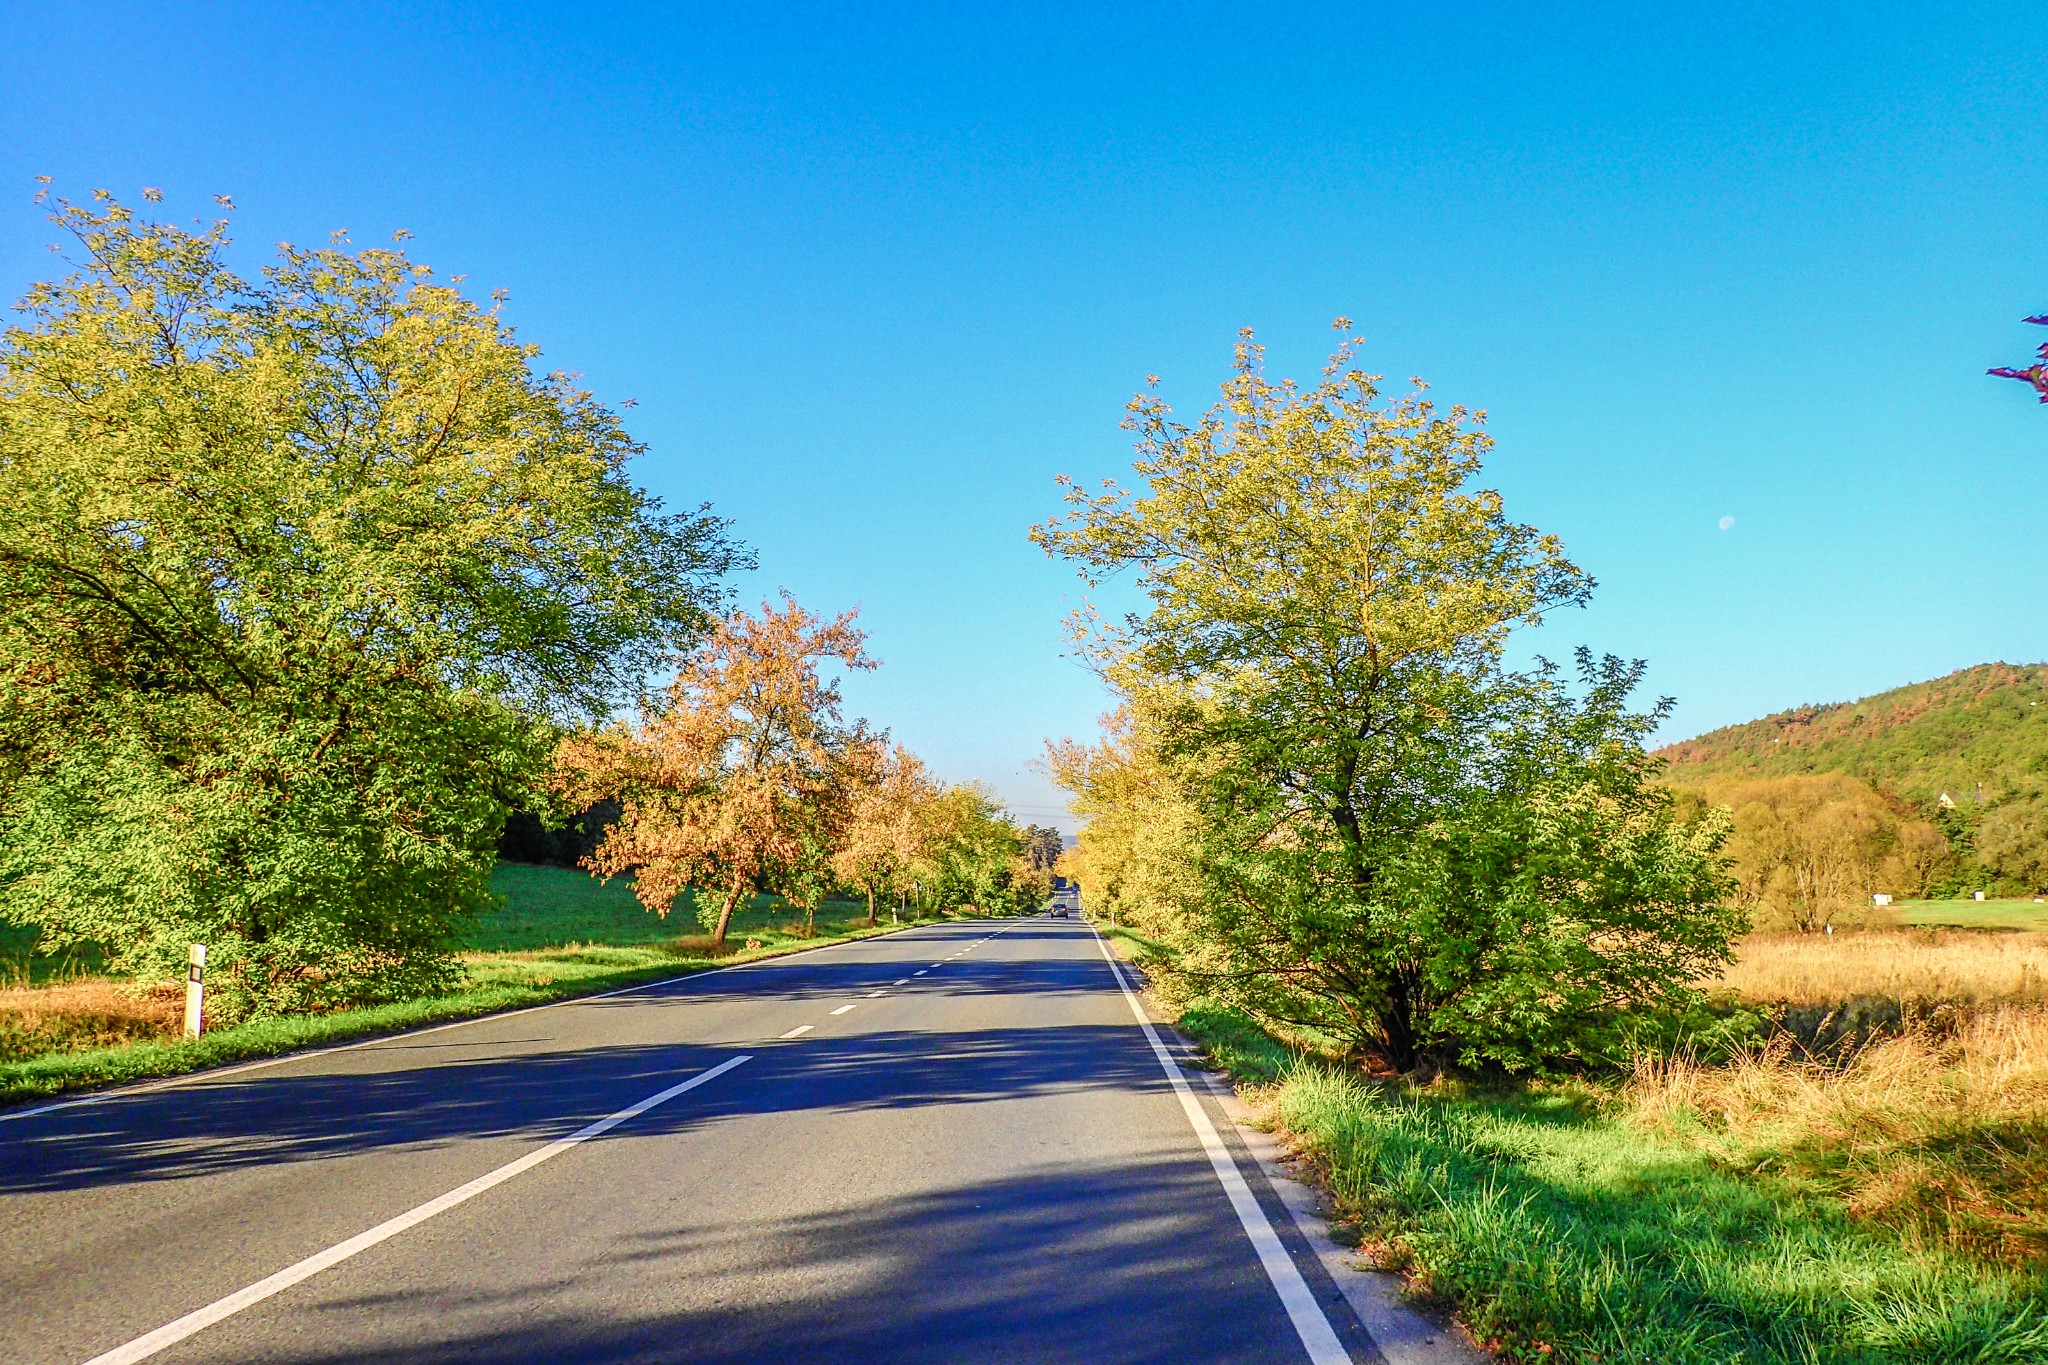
(1941, 1134)
(1957, 966)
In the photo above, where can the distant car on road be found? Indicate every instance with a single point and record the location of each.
(1058, 912)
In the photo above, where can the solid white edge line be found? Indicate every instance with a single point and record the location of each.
(219, 1072)
(1311, 1324)
(143, 1347)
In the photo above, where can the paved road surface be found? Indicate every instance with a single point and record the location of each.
(970, 1152)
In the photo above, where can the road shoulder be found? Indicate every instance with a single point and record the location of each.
(186, 1064)
(1400, 1332)
(1404, 1334)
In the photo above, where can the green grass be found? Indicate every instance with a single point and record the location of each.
(21, 965)
(1561, 1232)
(1974, 914)
(550, 907)
(553, 907)
(560, 934)
(1549, 1225)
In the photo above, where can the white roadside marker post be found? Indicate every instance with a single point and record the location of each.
(195, 990)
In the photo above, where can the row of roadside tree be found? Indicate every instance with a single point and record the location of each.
(309, 578)
(742, 775)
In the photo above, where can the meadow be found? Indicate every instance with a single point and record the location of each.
(2024, 914)
(1814, 1193)
(65, 1023)
(1929, 968)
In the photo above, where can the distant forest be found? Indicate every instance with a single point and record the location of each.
(1938, 788)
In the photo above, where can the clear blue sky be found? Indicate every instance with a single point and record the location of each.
(876, 273)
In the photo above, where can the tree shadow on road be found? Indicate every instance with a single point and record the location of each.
(264, 1120)
(1122, 1262)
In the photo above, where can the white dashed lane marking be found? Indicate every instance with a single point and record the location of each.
(799, 1031)
(842, 1009)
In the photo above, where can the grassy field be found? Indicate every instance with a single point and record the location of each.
(1974, 914)
(1888, 1205)
(559, 933)
(1922, 966)
(552, 907)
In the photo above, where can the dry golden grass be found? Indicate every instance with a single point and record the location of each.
(700, 945)
(1943, 1137)
(74, 1015)
(1909, 965)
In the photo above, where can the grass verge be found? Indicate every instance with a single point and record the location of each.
(1563, 1233)
(1598, 1223)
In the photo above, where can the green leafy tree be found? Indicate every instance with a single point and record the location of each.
(972, 854)
(1320, 677)
(296, 576)
(1043, 845)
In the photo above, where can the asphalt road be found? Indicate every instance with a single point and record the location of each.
(971, 1151)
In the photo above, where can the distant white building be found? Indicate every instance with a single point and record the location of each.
(1881, 898)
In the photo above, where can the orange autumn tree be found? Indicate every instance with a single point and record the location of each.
(726, 781)
(883, 836)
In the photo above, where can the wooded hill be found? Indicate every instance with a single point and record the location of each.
(1967, 753)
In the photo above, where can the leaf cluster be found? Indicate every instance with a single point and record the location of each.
(296, 574)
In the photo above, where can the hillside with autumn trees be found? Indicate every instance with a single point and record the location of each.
(1934, 788)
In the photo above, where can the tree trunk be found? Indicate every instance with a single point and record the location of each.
(732, 898)
(1397, 1025)
(871, 907)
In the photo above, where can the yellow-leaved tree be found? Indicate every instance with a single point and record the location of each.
(1131, 858)
(1395, 836)
(1810, 848)
(882, 837)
